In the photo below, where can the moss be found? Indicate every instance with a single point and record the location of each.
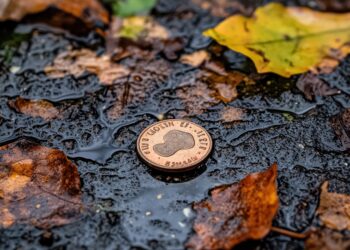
(9, 45)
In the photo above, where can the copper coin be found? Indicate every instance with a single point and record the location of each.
(174, 145)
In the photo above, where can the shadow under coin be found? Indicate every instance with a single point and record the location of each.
(177, 177)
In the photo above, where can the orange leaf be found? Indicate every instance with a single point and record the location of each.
(38, 185)
(90, 12)
(237, 212)
(195, 59)
(35, 108)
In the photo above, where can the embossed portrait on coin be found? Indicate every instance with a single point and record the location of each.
(174, 141)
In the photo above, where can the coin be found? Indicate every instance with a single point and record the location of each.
(174, 145)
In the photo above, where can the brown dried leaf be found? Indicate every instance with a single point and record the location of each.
(89, 11)
(313, 86)
(225, 92)
(224, 82)
(326, 239)
(76, 62)
(195, 59)
(237, 212)
(38, 185)
(334, 209)
(35, 108)
(225, 86)
(212, 84)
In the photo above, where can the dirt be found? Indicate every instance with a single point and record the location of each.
(133, 207)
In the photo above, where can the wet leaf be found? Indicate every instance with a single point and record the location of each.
(76, 62)
(211, 85)
(124, 8)
(237, 212)
(91, 12)
(38, 186)
(223, 82)
(287, 40)
(326, 239)
(334, 209)
(313, 86)
(35, 108)
(195, 59)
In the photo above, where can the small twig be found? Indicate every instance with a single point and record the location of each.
(290, 233)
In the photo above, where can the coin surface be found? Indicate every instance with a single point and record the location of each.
(174, 145)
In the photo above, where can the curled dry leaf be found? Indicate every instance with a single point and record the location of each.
(327, 239)
(305, 39)
(38, 186)
(237, 212)
(313, 86)
(35, 108)
(91, 12)
(195, 59)
(224, 82)
(334, 209)
(76, 62)
(341, 125)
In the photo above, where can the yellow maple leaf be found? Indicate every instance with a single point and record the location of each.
(287, 40)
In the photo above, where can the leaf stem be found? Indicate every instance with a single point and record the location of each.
(289, 233)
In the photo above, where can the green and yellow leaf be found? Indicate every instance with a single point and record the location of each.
(287, 40)
(142, 27)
